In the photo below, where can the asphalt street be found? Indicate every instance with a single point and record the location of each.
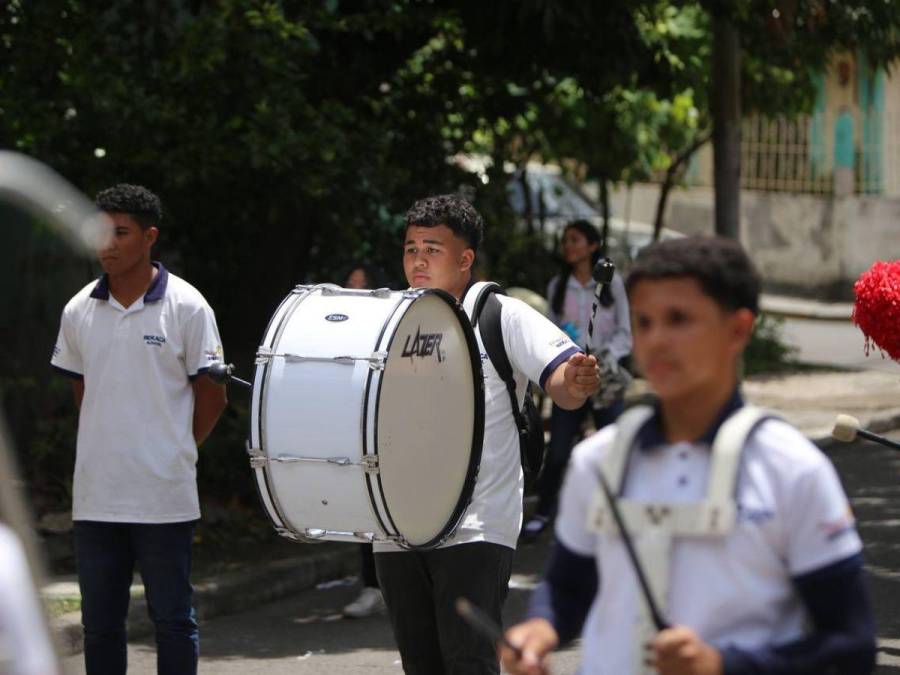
(305, 634)
(833, 343)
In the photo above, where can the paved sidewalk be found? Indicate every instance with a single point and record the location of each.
(810, 400)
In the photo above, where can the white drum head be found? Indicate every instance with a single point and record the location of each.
(430, 420)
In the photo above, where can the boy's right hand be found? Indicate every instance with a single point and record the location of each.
(536, 638)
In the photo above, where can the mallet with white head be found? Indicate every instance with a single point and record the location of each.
(847, 429)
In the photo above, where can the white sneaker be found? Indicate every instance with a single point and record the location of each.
(368, 602)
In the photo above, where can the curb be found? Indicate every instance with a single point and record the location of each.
(797, 308)
(235, 591)
(227, 593)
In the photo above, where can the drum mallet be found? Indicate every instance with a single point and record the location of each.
(484, 624)
(223, 373)
(846, 429)
(603, 274)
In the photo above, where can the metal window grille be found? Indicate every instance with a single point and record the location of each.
(801, 154)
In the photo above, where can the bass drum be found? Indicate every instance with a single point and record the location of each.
(367, 416)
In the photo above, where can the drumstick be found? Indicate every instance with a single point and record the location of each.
(222, 373)
(658, 620)
(484, 624)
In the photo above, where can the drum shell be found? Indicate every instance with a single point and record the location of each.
(324, 411)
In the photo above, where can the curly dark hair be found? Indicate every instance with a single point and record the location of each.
(450, 210)
(133, 200)
(720, 265)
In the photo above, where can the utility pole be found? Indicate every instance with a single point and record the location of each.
(725, 101)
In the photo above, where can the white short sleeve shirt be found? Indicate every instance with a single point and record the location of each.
(535, 348)
(136, 455)
(793, 518)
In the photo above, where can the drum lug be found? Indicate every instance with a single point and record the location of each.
(258, 458)
(370, 463)
(263, 356)
(287, 534)
(412, 293)
(377, 360)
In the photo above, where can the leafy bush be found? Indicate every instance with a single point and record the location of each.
(767, 351)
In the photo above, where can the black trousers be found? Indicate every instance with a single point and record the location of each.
(367, 566)
(420, 589)
(565, 427)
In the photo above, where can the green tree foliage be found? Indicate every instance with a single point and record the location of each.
(288, 138)
(285, 140)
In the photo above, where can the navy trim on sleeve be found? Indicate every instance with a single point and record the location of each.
(554, 364)
(843, 633)
(68, 373)
(199, 372)
(566, 593)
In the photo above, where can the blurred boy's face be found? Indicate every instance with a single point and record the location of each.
(684, 342)
(126, 245)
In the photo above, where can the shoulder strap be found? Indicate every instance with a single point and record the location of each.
(615, 462)
(727, 448)
(487, 318)
(489, 324)
(475, 297)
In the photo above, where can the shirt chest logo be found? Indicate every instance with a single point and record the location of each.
(154, 340)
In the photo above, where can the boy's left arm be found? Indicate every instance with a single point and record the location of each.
(824, 559)
(843, 637)
(842, 641)
(209, 403)
(203, 347)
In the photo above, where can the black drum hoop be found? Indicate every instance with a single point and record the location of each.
(468, 489)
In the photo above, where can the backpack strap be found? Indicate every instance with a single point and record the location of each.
(485, 312)
(726, 451)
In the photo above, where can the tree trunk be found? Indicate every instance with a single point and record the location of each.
(526, 195)
(604, 208)
(669, 181)
(725, 101)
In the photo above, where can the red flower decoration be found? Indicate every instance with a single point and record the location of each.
(877, 307)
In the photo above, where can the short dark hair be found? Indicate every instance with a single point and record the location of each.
(133, 200)
(720, 265)
(450, 210)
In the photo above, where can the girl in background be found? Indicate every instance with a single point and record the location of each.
(571, 296)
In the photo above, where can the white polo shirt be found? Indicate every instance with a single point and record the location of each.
(535, 348)
(793, 518)
(136, 455)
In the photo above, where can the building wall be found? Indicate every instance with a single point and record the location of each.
(811, 245)
(849, 143)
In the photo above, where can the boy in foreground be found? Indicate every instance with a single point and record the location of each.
(757, 569)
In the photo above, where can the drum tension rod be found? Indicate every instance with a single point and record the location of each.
(259, 460)
(376, 361)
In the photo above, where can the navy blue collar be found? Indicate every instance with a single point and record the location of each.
(155, 293)
(651, 434)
